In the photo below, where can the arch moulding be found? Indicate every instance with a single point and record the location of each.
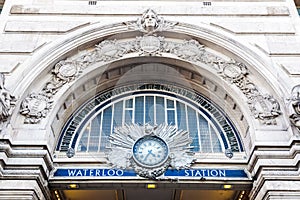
(203, 57)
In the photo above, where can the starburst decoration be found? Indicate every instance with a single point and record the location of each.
(120, 150)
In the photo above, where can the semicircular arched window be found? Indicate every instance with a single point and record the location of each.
(153, 109)
(90, 127)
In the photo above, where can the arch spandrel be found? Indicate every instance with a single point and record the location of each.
(170, 42)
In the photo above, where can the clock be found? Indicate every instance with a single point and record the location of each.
(150, 151)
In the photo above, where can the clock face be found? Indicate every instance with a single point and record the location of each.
(150, 151)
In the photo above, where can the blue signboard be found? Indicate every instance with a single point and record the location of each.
(188, 173)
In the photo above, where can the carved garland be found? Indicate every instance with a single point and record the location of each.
(263, 106)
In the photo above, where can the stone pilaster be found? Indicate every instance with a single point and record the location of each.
(275, 173)
(24, 171)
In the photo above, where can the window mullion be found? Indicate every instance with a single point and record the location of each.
(154, 110)
(144, 110)
(166, 110)
(100, 131)
(112, 118)
(175, 113)
(133, 110)
(199, 132)
(124, 112)
(89, 136)
(210, 137)
(186, 118)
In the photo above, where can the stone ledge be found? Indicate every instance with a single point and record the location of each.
(190, 8)
(276, 189)
(257, 27)
(21, 189)
(19, 44)
(291, 45)
(43, 26)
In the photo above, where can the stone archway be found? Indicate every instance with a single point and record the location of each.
(207, 60)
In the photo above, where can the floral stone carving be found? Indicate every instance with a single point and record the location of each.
(263, 106)
(35, 107)
(109, 50)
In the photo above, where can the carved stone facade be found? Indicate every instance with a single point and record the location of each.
(59, 57)
(263, 106)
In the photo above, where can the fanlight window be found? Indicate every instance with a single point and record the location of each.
(153, 109)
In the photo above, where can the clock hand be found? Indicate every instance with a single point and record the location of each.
(149, 153)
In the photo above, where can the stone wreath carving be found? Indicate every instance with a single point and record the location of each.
(35, 107)
(148, 158)
(263, 106)
(7, 102)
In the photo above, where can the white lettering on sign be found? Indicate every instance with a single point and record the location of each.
(205, 173)
(95, 172)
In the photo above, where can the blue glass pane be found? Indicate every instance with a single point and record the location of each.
(149, 118)
(215, 141)
(118, 113)
(204, 134)
(128, 116)
(181, 116)
(170, 103)
(193, 129)
(95, 126)
(171, 117)
(139, 110)
(129, 103)
(95, 133)
(82, 146)
(160, 110)
(106, 127)
(94, 143)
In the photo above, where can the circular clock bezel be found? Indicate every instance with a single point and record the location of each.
(147, 138)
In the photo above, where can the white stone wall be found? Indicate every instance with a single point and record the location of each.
(268, 28)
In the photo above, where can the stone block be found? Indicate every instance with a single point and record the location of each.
(255, 27)
(19, 43)
(290, 65)
(165, 8)
(43, 26)
(283, 45)
(9, 62)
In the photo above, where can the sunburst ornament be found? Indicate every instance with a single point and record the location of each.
(150, 150)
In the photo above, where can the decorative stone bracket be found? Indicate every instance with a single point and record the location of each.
(263, 106)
